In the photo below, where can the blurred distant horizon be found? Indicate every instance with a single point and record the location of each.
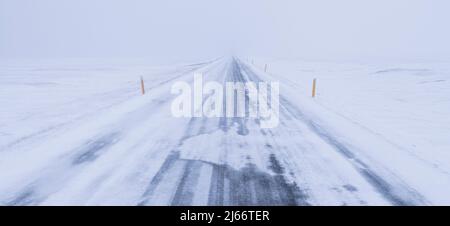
(180, 31)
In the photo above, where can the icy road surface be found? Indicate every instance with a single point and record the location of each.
(132, 151)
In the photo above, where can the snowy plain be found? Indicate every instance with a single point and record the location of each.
(82, 134)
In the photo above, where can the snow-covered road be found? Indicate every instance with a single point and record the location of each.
(136, 153)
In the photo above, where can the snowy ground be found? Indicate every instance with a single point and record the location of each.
(81, 134)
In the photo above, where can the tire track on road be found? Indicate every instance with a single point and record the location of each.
(399, 194)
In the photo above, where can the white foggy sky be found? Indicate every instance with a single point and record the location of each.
(189, 29)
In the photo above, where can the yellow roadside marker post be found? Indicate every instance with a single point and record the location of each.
(314, 88)
(142, 86)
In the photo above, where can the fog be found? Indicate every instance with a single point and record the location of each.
(196, 29)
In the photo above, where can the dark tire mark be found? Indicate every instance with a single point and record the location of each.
(216, 192)
(93, 149)
(250, 186)
(186, 188)
(235, 75)
(397, 196)
(159, 176)
(26, 198)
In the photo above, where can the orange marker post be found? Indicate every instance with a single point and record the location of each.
(142, 86)
(314, 88)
